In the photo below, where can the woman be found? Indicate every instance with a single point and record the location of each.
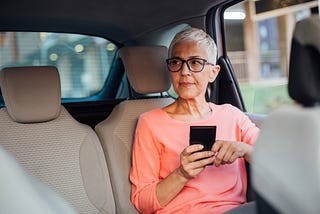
(170, 176)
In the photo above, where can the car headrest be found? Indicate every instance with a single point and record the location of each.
(31, 94)
(304, 69)
(146, 69)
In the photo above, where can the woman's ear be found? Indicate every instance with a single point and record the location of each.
(214, 73)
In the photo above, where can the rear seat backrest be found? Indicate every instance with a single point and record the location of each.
(26, 191)
(49, 142)
(146, 71)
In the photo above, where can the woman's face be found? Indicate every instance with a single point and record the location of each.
(187, 84)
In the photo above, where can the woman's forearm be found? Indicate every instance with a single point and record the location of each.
(169, 187)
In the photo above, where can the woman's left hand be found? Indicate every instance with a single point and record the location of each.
(226, 152)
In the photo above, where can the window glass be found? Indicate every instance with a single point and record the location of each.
(258, 40)
(83, 61)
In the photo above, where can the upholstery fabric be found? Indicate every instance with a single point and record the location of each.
(116, 134)
(27, 192)
(65, 155)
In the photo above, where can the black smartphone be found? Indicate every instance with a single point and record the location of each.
(205, 135)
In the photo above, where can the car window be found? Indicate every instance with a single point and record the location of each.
(83, 61)
(258, 41)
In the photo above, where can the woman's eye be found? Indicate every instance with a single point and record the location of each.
(196, 62)
(174, 62)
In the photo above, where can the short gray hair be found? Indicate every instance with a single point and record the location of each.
(200, 37)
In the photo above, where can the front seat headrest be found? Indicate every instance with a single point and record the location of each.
(304, 69)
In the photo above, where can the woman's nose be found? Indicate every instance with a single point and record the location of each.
(185, 69)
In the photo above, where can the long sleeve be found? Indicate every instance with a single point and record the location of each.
(249, 131)
(145, 169)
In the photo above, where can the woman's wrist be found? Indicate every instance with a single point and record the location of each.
(183, 177)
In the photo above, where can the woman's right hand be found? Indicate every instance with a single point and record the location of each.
(193, 161)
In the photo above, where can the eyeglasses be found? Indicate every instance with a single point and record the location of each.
(194, 64)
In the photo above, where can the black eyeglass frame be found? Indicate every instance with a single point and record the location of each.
(205, 62)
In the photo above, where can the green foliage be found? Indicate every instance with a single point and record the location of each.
(264, 98)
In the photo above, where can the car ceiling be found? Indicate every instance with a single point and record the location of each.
(117, 20)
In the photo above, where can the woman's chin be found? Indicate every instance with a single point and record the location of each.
(188, 96)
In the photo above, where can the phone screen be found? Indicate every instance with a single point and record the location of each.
(205, 135)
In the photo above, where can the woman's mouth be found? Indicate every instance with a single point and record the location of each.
(185, 84)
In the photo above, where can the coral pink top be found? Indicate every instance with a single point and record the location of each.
(158, 142)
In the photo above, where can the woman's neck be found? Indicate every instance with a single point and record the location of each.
(189, 110)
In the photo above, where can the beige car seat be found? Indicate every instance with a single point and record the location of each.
(47, 141)
(23, 193)
(146, 71)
